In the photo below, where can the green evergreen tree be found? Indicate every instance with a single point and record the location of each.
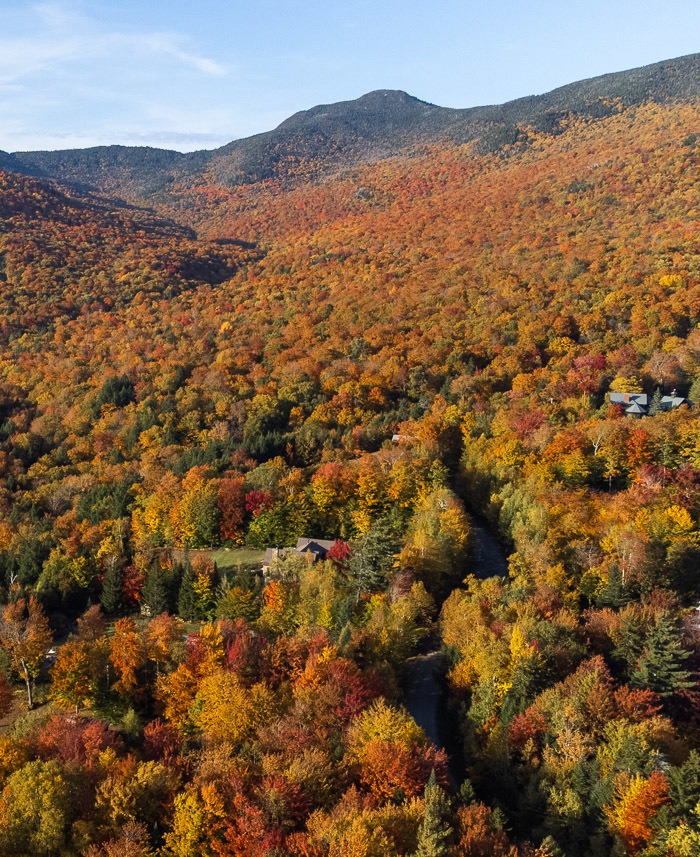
(524, 681)
(188, 606)
(434, 832)
(465, 794)
(613, 593)
(550, 848)
(685, 786)
(30, 559)
(344, 637)
(8, 568)
(662, 666)
(111, 597)
(630, 643)
(694, 392)
(655, 403)
(683, 566)
(132, 727)
(154, 594)
(374, 554)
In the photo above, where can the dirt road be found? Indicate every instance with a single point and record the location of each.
(489, 558)
(424, 696)
(423, 693)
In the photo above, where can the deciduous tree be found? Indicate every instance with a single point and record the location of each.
(25, 635)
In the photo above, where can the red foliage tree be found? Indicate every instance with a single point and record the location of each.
(231, 500)
(479, 836)
(531, 725)
(339, 554)
(391, 770)
(161, 742)
(244, 652)
(132, 584)
(6, 695)
(70, 738)
(256, 502)
(636, 705)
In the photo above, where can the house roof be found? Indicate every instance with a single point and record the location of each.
(628, 398)
(672, 401)
(318, 547)
(637, 404)
(314, 545)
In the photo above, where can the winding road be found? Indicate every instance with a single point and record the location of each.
(424, 690)
(423, 693)
(489, 557)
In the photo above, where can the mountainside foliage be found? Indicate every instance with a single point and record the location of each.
(165, 392)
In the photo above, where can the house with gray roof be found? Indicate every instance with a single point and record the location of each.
(314, 549)
(317, 547)
(637, 404)
(634, 404)
(668, 403)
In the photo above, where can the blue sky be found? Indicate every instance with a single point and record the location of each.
(196, 74)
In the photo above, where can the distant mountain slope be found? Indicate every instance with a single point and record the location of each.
(61, 255)
(376, 125)
(335, 136)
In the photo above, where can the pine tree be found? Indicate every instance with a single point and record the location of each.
(344, 637)
(655, 404)
(466, 793)
(188, 601)
(630, 643)
(434, 833)
(374, 554)
(684, 782)
(111, 597)
(613, 593)
(154, 594)
(662, 666)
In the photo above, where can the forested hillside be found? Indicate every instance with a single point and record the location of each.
(361, 357)
(63, 255)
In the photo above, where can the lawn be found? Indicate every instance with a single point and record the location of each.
(238, 557)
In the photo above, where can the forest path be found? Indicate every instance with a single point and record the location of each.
(489, 556)
(425, 693)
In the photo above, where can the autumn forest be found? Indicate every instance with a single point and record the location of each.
(393, 353)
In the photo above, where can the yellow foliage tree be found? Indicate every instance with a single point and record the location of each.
(226, 711)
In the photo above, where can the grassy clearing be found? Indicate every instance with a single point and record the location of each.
(234, 557)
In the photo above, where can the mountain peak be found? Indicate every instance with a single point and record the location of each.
(376, 125)
(384, 96)
(381, 105)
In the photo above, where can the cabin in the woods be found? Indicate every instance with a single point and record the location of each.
(634, 404)
(317, 547)
(314, 549)
(668, 403)
(637, 404)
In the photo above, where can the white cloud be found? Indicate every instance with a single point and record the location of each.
(21, 57)
(69, 80)
(168, 45)
(61, 38)
(27, 141)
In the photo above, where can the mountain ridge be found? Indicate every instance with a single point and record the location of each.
(379, 124)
